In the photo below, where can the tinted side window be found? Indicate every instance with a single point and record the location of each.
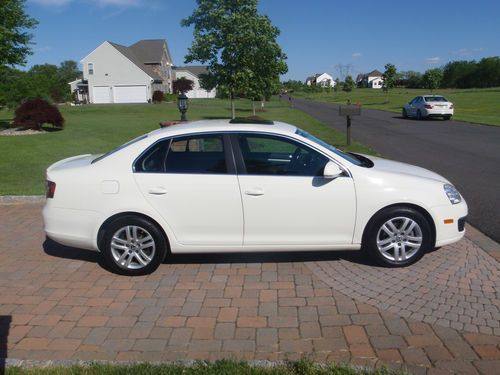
(271, 155)
(196, 154)
(153, 160)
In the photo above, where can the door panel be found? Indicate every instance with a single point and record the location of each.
(286, 199)
(201, 209)
(297, 210)
(190, 182)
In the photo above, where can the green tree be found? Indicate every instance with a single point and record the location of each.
(239, 45)
(389, 77)
(348, 84)
(336, 88)
(14, 35)
(432, 78)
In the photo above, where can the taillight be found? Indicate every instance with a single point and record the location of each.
(50, 189)
(451, 106)
(428, 106)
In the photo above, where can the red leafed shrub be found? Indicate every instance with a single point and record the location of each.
(157, 96)
(33, 113)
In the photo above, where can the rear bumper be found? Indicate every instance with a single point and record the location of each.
(438, 112)
(69, 227)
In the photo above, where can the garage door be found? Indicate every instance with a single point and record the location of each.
(100, 94)
(130, 94)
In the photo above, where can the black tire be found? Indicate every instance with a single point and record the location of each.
(374, 231)
(419, 115)
(156, 243)
(405, 115)
(446, 117)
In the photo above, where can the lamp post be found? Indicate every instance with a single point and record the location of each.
(182, 104)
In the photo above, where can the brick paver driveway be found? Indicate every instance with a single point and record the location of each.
(58, 303)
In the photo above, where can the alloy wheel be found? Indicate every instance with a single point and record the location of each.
(132, 247)
(399, 239)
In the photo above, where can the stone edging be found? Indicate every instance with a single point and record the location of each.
(484, 242)
(28, 363)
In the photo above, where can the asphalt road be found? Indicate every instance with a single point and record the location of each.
(466, 154)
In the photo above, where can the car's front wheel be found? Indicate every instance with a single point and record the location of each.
(133, 246)
(397, 237)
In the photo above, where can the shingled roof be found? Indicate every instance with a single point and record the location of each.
(196, 70)
(143, 53)
(150, 50)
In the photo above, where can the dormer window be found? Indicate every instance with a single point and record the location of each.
(90, 67)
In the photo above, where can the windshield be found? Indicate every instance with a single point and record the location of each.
(342, 154)
(119, 148)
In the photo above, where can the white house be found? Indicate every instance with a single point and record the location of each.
(373, 80)
(193, 73)
(321, 79)
(120, 74)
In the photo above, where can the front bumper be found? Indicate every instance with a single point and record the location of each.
(450, 222)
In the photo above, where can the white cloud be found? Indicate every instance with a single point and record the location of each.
(52, 3)
(433, 60)
(467, 51)
(356, 55)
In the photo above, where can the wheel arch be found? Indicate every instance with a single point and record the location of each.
(417, 208)
(105, 224)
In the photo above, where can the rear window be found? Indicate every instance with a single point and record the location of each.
(120, 148)
(435, 99)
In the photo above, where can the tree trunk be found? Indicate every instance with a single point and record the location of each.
(253, 107)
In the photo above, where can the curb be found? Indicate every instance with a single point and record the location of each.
(489, 245)
(21, 199)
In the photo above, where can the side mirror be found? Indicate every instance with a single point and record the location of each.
(332, 170)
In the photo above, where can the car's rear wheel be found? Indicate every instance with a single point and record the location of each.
(446, 117)
(405, 115)
(419, 115)
(397, 237)
(133, 246)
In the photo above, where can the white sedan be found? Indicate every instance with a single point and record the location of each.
(425, 106)
(216, 186)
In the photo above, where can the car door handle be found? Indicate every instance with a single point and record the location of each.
(159, 190)
(255, 192)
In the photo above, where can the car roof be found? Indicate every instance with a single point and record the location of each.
(222, 125)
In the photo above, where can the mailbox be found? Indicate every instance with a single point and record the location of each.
(349, 110)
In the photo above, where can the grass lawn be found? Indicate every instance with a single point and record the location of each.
(96, 129)
(480, 106)
(224, 367)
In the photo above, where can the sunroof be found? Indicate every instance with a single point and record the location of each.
(251, 120)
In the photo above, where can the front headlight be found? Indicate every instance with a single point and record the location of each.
(452, 193)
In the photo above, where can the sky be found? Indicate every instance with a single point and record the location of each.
(317, 35)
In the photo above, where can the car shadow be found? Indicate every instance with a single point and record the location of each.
(57, 250)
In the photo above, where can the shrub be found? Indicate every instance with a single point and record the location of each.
(170, 97)
(32, 114)
(157, 96)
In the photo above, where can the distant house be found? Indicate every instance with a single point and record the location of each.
(321, 79)
(373, 80)
(118, 74)
(193, 73)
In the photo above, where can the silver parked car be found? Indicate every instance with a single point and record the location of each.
(425, 106)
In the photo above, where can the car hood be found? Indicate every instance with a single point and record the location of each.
(392, 166)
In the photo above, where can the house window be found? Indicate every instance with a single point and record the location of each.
(91, 68)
